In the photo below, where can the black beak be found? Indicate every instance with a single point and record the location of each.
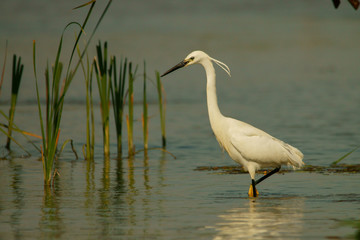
(177, 66)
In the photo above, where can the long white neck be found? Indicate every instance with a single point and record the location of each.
(212, 103)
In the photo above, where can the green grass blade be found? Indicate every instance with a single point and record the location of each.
(113, 91)
(85, 4)
(72, 147)
(344, 156)
(17, 71)
(87, 74)
(40, 113)
(93, 32)
(17, 129)
(37, 95)
(145, 112)
(3, 69)
(24, 133)
(82, 27)
(55, 93)
(117, 87)
(92, 119)
(130, 118)
(17, 143)
(103, 80)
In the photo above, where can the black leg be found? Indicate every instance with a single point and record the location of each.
(266, 176)
(253, 183)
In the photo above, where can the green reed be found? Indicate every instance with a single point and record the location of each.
(344, 156)
(103, 75)
(130, 116)
(17, 71)
(54, 101)
(145, 122)
(117, 88)
(90, 123)
(88, 148)
(162, 108)
(3, 69)
(16, 79)
(55, 94)
(15, 128)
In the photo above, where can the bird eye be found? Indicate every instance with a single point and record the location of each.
(192, 58)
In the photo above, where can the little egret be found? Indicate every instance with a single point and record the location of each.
(245, 144)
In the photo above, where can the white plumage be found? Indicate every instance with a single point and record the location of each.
(245, 144)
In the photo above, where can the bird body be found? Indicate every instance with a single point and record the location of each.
(245, 144)
(254, 148)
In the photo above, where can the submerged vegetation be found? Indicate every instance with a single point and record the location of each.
(334, 167)
(342, 168)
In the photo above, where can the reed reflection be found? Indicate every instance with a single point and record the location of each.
(18, 200)
(145, 181)
(118, 193)
(90, 184)
(279, 218)
(146, 173)
(131, 196)
(120, 181)
(128, 200)
(104, 208)
(51, 223)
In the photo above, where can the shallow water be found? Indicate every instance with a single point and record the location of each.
(295, 74)
(161, 198)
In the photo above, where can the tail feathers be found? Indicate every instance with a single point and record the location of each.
(295, 156)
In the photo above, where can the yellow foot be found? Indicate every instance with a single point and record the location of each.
(251, 192)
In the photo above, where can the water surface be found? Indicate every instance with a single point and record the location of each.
(295, 74)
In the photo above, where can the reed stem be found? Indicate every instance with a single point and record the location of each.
(55, 94)
(130, 116)
(145, 114)
(117, 88)
(103, 81)
(3, 69)
(90, 131)
(17, 71)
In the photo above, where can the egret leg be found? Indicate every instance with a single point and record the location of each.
(267, 175)
(252, 190)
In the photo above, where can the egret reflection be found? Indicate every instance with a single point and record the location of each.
(267, 218)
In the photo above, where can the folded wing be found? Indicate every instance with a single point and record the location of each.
(255, 145)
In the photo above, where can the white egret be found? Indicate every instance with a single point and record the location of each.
(245, 144)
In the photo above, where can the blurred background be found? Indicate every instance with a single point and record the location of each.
(260, 41)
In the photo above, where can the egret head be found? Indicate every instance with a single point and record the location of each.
(197, 57)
